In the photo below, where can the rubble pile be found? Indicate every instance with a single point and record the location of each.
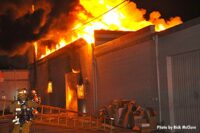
(128, 114)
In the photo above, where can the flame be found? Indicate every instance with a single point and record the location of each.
(110, 15)
(35, 44)
(58, 46)
(80, 91)
(69, 96)
(32, 8)
(71, 101)
(50, 87)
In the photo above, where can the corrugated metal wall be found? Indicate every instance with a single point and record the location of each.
(13, 80)
(175, 41)
(54, 70)
(85, 55)
(42, 81)
(103, 36)
(186, 89)
(126, 69)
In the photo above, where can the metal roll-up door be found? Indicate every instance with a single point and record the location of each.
(185, 72)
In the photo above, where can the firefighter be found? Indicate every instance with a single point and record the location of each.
(22, 108)
(34, 97)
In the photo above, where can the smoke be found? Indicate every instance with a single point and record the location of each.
(15, 32)
(20, 25)
(60, 18)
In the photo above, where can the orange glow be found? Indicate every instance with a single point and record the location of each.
(126, 17)
(33, 8)
(35, 48)
(50, 87)
(71, 101)
(75, 71)
(80, 91)
(58, 46)
(69, 96)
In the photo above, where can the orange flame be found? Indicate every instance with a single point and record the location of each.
(71, 101)
(59, 45)
(104, 14)
(35, 44)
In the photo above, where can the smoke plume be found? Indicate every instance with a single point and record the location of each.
(21, 23)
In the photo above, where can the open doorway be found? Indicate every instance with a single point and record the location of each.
(71, 91)
(75, 93)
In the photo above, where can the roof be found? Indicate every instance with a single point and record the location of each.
(180, 27)
(66, 49)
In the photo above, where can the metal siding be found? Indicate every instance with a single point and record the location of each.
(85, 55)
(180, 41)
(53, 69)
(13, 80)
(186, 85)
(103, 36)
(42, 81)
(57, 69)
(16, 75)
(129, 73)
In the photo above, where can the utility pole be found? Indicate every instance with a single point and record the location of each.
(34, 53)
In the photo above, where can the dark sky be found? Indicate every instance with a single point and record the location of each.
(186, 9)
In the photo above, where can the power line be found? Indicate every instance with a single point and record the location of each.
(103, 14)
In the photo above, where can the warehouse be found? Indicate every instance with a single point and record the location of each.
(179, 73)
(159, 70)
(53, 75)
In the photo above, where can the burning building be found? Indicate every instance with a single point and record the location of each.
(85, 55)
(158, 69)
(59, 76)
(56, 32)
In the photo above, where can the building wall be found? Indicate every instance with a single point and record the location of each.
(178, 44)
(126, 69)
(40, 84)
(144, 65)
(11, 80)
(55, 67)
(85, 57)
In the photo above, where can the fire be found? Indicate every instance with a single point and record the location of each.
(35, 48)
(110, 15)
(50, 87)
(80, 91)
(71, 102)
(59, 45)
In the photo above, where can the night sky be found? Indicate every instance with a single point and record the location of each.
(186, 9)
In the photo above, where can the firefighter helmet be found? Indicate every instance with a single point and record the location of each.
(22, 93)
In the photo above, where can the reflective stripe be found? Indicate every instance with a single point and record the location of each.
(18, 109)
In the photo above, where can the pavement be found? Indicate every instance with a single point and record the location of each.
(53, 129)
(6, 127)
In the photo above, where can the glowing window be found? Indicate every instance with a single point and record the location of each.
(80, 92)
(50, 87)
